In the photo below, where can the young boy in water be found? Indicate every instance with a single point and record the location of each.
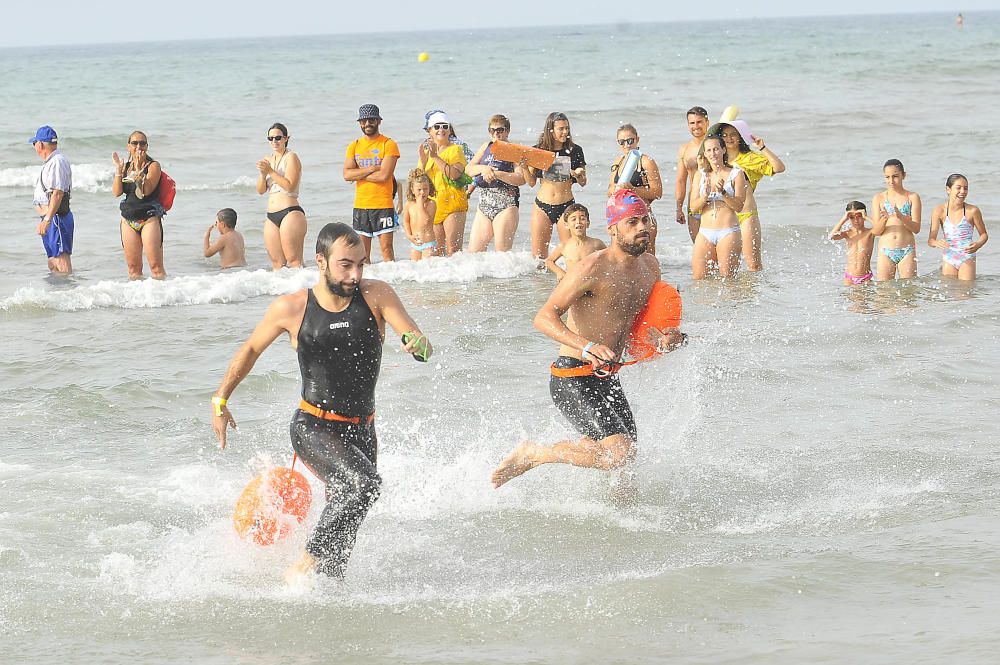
(860, 243)
(229, 246)
(577, 220)
(418, 215)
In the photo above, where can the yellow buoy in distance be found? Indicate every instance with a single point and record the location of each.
(423, 57)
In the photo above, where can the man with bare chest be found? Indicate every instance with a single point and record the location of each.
(602, 295)
(687, 166)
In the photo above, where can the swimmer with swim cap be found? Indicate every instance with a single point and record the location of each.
(337, 327)
(602, 296)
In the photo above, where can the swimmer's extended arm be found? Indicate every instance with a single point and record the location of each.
(384, 299)
(550, 263)
(932, 237)
(836, 233)
(274, 323)
(548, 320)
(680, 186)
(474, 167)
(777, 165)
(977, 221)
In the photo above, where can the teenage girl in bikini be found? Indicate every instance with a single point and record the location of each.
(279, 177)
(896, 215)
(719, 191)
(959, 259)
(555, 194)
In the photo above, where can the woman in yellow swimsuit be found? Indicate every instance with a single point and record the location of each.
(444, 163)
(755, 165)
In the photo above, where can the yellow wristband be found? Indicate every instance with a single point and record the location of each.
(219, 402)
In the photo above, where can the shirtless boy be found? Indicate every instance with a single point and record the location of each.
(577, 220)
(229, 246)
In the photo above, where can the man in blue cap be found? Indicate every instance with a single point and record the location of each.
(370, 163)
(51, 199)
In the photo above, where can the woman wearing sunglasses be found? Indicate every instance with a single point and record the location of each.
(279, 176)
(141, 227)
(444, 162)
(645, 180)
(555, 194)
(499, 184)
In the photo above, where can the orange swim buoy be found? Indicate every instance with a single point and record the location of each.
(662, 310)
(271, 505)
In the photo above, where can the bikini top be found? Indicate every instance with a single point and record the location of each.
(279, 168)
(904, 209)
(729, 187)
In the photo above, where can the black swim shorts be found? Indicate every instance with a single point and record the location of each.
(595, 406)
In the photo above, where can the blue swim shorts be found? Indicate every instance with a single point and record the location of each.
(58, 239)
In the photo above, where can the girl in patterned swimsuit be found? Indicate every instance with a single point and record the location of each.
(959, 259)
(896, 224)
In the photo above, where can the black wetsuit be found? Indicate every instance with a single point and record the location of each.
(339, 356)
(595, 406)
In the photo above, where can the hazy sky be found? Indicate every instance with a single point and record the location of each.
(99, 21)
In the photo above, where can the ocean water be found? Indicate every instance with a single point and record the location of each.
(818, 469)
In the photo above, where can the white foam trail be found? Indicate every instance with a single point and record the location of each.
(239, 286)
(86, 177)
(242, 181)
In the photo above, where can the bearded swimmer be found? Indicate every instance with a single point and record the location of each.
(337, 327)
(602, 294)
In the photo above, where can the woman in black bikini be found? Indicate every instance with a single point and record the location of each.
(645, 182)
(141, 227)
(556, 191)
(280, 174)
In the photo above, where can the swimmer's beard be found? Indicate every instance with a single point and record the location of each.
(637, 248)
(338, 290)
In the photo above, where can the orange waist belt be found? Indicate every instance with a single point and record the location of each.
(605, 370)
(330, 415)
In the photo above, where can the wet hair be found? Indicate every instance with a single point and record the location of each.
(894, 162)
(856, 205)
(284, 131)
(548, 142)
(697, 110)
(415, 176)
(575, 207)
(227, 216)
(953, 178)
(333, 232)
(499, 119)
(715, 137)
(627, 127)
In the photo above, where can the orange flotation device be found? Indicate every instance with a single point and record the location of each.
(271, 505)
(662, 310)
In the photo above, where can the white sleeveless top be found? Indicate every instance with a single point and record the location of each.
(279, 168)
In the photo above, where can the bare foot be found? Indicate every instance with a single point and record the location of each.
(522, 459)
(300, 574)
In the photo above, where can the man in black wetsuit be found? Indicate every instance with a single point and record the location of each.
(337, 328)
(602, 295)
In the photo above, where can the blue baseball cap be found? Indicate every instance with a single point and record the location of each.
(45, 134)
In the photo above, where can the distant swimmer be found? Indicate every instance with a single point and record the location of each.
(418, 215)
(960, 21)
(370, 163)
(577, 220)
(860, 243)
(337, 328)
(138, 178)
(960, 244)
(279, 176)
(755, 164)
(230, 246)
(499, 184)
(51, 200)
(602, 296)
(897, 222)
(555, 193)
(645, 179)
(718, 193)
(687, 167)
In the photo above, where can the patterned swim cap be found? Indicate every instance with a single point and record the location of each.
(624, 204)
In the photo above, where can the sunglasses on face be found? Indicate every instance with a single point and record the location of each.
(731, 137)
(498, 130)
(626, 141)
(276, 138)
(441, 125)
(140, 144)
